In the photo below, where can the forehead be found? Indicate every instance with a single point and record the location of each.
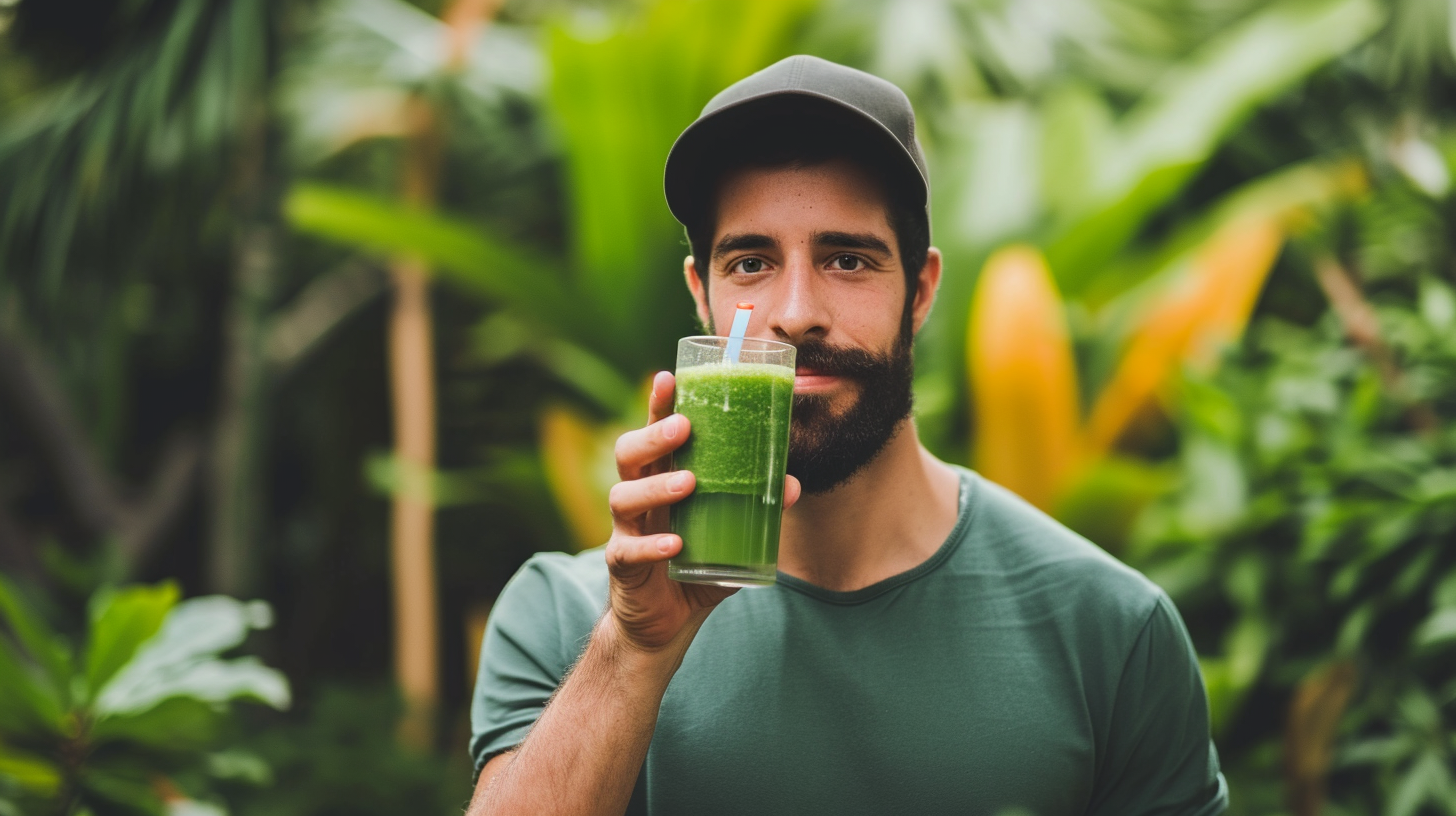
(836, 195)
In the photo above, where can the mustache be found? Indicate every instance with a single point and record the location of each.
(840, 361)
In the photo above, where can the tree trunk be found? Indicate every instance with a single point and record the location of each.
(412, 375)
(412, 390)
(412, 555)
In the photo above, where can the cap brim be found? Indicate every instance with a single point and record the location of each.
(692, 166)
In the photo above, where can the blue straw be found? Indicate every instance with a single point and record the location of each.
(735, 335)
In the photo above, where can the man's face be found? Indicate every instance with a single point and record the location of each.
(813, 250)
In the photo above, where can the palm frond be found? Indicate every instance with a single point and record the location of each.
(77, 157)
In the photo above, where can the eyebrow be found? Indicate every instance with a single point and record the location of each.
(852, 240)
(747, 240)
(839, 240)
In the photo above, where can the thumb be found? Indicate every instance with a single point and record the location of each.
(792, 489)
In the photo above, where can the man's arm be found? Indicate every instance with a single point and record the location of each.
(584, 752)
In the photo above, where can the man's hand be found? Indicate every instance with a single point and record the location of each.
(649, 610)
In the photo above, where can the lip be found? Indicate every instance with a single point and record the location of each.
(806, 379)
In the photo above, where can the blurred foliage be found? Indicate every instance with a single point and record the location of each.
(130, 720)
(1312, 521)
(622, 86)
(1223, 229)
(343, 759)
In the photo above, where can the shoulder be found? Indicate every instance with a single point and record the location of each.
(554, 593)
(1037, 558)
(537, 629)
(583, 574)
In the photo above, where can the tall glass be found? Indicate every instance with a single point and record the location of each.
(738, 450)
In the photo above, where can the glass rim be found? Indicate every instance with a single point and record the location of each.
(719, 341)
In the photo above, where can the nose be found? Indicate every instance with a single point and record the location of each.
(800, 310)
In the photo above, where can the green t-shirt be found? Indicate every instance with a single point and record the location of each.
(1019, 667)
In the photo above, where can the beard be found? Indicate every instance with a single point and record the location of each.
(827, 449)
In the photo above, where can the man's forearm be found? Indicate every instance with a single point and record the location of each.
(584, 753)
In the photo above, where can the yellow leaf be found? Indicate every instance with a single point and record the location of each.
(570, 449)
(1319, 703)
(1204, 308)
(1023, 380)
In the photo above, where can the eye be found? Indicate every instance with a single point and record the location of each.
(748, 265)
(848, 263)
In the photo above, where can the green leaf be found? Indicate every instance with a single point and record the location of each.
(1247, 644)
(1445, 592)
(1353, 630)
(122, 784)
(181, 661)
(1437, 303)
(1105, 503)
(175, 98)
(1177, 126)
(465, 253)
(180, 723)
(1220, 691)
(1425, 777)
(1244, 583)
(502, 336)
(121, 621)
(43, 645)
(620, 92)
(31, 702)
(1438, 629)
(243, 766)
(1379, 750)
(193, 807)
(1275, 195)
(35, 774)
(1076, 132)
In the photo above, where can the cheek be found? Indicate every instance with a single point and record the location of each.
(722, 317)
(872, 309)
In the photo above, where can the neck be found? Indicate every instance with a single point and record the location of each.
(888, 518)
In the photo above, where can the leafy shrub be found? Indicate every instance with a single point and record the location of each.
(1309, 547)
(129, 721)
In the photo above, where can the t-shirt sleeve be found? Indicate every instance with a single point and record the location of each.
(1159, 759)
(536, 631)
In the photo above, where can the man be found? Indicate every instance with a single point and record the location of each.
(933, 644)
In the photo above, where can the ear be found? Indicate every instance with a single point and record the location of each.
(698, 290)
(927, 284)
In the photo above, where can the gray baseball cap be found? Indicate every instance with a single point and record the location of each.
(802, 84)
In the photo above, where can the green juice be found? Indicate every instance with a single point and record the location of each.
(738, 449)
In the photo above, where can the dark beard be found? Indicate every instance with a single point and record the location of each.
(825, 450)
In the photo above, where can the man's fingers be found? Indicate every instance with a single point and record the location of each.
(630, 500)
(792, 489)
(639, 449)
(659, 402)
(626, 555)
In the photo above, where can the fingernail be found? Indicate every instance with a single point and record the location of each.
(664, 544)
(670, 427)
(679, 482)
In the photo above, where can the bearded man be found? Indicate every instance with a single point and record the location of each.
(932, 644)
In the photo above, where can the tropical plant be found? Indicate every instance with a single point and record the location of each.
(618, 97)
(1308, 543)
(129, 720)
(1030, 433)
(120, 173)
(1096, 178)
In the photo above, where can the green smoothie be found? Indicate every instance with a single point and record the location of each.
(738, 449)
